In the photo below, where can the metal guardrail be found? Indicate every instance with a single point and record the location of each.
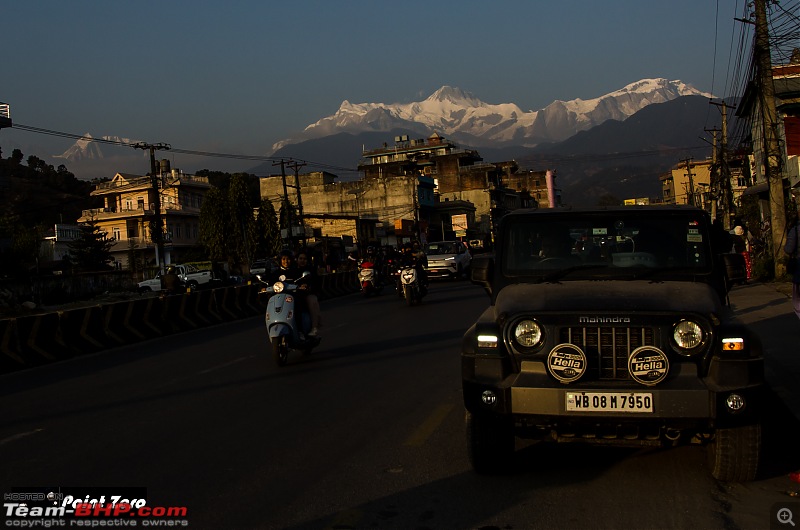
(41, 338)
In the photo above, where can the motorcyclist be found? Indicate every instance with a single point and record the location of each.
(288, 268)
(413, 256)
(374, 257)
(421, 260)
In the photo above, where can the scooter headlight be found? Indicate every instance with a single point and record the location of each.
(277, 287)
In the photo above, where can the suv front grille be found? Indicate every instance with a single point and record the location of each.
(608, 348)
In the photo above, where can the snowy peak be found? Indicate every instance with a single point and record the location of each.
(464, 118)
(454, 95)
(87, 148)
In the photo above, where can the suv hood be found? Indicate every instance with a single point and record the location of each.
(608, 296)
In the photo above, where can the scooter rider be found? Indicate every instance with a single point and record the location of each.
(286, 267)
(289, 269)
(375, 258)
(415, 257)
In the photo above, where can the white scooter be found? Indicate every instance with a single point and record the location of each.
(413, 290)
(287, 329)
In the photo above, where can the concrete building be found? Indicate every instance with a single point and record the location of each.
(687, 183)
(128, 211)
(459, 174)
(56, 247)
(786, 81)
(381, 209)
(411, 190)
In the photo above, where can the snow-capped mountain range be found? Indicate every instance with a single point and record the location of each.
(88, 148)
(462, 117)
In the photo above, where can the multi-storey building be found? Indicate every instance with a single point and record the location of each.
(459, 175)
(128, 213)
(411, 190)
(786, 83)
(687, 183)
(385, 209)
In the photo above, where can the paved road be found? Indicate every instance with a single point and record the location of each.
(365, 433)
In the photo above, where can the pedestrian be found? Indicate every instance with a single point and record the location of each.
(741, 246)
(793, 263)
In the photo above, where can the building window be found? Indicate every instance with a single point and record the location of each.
(115, 234)
(177, 231)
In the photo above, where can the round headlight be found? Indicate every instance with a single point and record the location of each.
(277, 287)
(688, 335)
(527, 333)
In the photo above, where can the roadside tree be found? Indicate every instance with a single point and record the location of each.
(92, 250)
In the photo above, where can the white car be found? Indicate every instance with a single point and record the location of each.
(447, 259)
(263, 266)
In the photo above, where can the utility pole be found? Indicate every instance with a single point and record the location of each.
(716, 179)
(772, 154)
(157, 234)
(286, 203)
(690, 175)
(725, 172)
(296, 166)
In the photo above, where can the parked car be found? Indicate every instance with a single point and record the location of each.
(263, 266)
(447, 259)
(185, 276)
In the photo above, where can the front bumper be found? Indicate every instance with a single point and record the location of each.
(441, 270)
(533, 398)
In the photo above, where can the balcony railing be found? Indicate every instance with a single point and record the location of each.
(147, 210)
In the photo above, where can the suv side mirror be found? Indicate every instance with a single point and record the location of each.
(482, 271)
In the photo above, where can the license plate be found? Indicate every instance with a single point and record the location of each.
(609, 401)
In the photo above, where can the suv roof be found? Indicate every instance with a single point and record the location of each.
(658, 243)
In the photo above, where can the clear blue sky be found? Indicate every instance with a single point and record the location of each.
(237, 76)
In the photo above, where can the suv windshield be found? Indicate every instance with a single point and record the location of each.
(607, 244)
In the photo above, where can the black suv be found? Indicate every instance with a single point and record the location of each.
(611, 326)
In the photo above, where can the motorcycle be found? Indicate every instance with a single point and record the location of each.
(393, 269)
(368, 278)
(412, 288)
(287, 329)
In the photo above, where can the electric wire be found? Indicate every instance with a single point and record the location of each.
(331, 167)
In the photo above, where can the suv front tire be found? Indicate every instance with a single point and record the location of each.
(734, 453)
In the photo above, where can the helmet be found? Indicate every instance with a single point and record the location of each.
(286, 252)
